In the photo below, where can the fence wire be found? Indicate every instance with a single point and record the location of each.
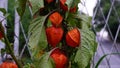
(110, 43)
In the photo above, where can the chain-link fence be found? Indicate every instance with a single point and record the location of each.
(105, 22)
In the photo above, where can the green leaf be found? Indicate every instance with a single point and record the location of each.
(86, 20)
(71, 3)
(3, 10)
(2, 51)
(27, 66)
(7, 15)
(21, 6)
(87, 48)
(36, 5)
(74, 21)
(100, 60)
(37, 41)
(45, 62)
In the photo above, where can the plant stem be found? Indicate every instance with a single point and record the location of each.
(9, 46)
(11, 52)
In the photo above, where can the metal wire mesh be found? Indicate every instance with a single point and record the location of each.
(109, 44)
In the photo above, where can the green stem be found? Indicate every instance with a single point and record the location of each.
(9, 47)
(11, 52)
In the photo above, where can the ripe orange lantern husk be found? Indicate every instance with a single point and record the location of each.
(56, 18)
(59, 58)
(54, 35)
(73, 38)
(7, 64)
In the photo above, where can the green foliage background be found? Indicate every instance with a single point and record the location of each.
(10, 24)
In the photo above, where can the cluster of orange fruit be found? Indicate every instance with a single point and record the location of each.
(55, 34)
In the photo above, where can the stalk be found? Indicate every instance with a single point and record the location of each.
(9, 46)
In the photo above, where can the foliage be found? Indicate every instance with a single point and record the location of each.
(38, 38)
(25, 23)
(10, 25)
(88, 45)
(45, 61)
(36, 4)
(21, 7)
(10, 21)
(78, 56)
(3, 11)
(82, 55)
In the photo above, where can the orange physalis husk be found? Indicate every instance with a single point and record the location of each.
(54, 35)
(7, 64)
(56, 18)
(73, 38)
(59, 58)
